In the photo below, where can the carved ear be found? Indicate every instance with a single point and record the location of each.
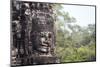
(50, 34)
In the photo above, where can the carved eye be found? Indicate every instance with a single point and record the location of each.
(42, 34)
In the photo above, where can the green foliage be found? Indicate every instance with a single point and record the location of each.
(75, 45)
(79, 46)
(64, 16)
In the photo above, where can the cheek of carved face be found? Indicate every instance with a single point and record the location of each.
(44, 41)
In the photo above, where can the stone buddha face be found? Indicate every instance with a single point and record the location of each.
(45, 41)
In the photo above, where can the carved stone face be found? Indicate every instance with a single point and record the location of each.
(42, 25)
(45, 41)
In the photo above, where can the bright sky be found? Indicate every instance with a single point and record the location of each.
(84, 14)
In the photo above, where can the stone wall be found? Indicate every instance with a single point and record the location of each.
(33, 37)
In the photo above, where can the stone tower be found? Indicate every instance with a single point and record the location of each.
(33, 33)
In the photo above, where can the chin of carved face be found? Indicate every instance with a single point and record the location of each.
(43, 49)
